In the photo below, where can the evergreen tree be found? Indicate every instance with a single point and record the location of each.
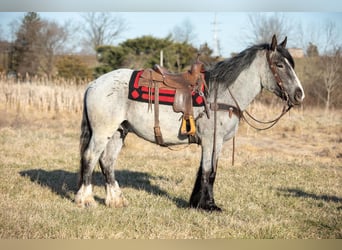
(71, 67)
(27, 44)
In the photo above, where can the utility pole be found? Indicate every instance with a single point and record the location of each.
(216, 48)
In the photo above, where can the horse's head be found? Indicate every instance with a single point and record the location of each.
(282, 79)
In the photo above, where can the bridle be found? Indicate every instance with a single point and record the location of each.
(273, 68)
(284, 95)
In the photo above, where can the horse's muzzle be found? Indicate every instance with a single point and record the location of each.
(298, 96)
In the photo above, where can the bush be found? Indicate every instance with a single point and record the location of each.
(71, 67)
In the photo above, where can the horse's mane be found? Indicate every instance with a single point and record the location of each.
(226, 71)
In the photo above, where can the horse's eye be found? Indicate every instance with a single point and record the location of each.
(280, 65)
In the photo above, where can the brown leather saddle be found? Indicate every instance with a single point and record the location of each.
(184, 84)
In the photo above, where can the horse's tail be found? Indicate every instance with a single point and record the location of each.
(85, 133)
(85, 136)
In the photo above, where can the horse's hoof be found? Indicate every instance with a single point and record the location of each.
(115, 197)
(118, 202)
(206, 207)
(88, 202)
(213, 208)
(84, 197)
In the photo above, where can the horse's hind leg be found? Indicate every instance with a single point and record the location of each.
(89, 159)
(108, 158)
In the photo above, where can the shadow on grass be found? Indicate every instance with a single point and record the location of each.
(64, 183)
(295, 192)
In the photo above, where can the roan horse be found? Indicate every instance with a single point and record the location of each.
(108, 116)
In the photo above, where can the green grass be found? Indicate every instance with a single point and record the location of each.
(274, 191)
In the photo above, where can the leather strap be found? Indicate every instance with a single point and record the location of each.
(226, 107)
(273, 69)
(157, 132)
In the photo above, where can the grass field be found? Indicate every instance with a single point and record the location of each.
(286, 182)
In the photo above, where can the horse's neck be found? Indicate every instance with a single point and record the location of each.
(248, 84)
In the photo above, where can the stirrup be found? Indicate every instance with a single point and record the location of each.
(188, 126)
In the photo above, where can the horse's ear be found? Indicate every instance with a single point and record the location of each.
(274, 43)
(283, 43)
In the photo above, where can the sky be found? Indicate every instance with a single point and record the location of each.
(174, 5)
(231, 26)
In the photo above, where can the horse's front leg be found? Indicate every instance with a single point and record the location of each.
(203, 194)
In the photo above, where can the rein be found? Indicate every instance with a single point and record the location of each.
(273, 122)
(286, 108)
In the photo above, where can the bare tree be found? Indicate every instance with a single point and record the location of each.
(52, 42)
(331, 75)
(261, 27)
(329, 37)
(1, 33)
(102, 28)
(184, 32)
(327, 83)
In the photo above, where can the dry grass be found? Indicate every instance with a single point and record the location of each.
(43, 96)
(286, 182)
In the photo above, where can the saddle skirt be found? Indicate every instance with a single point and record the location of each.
(166, 95)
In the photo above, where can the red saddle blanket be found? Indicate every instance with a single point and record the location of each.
(166, 96)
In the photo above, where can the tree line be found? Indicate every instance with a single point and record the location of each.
(42, 48)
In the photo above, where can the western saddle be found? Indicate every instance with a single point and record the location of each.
(184, 84)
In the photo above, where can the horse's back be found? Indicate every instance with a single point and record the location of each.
(113, 81)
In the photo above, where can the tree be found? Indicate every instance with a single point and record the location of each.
(144, 52)
(312, 50)
(101, 28)
(71, 67)
(261, 27)
(184, 33)
(179, 55)
(1, 33)
(36, 45)
(331, 75)
(206, 55)
(147, 44)
(52, 41)
(26, 46)
(110, 57)
(329, 36)
(331, 61)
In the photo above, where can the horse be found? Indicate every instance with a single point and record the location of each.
(108, 116)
